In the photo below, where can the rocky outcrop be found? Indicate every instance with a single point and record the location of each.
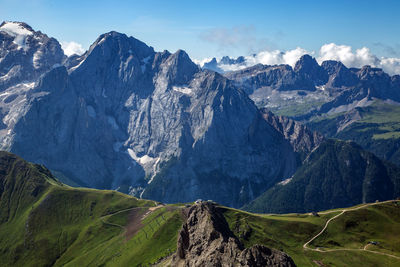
(300, 136)
(206, 240)
(308, 68)
(339, 75)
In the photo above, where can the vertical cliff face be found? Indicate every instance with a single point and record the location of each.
(302, 139)
(149, 123)
(206, 240)
(25, 54)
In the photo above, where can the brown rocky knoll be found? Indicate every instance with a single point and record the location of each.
(206, 240)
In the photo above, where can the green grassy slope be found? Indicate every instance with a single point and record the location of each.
(352, 230)
(378, 129)
(45, 223)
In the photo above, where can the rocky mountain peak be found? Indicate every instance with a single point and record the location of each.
(25, 54)
(332, 66)
(228, 61)
(206, 240)
(306, 63)
(180, 68)
(16, 28)
(310, 68)
(368, 71)
(152, 124)
(339, 74)
(116, 47)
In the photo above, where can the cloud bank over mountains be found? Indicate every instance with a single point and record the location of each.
(72, 48)
(344, 53)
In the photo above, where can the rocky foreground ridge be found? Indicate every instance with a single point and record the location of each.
(206, 240)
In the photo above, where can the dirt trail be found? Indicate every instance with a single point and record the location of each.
(136, 216)
(342, 211)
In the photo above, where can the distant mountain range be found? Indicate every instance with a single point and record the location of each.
(157, 126)
(340, 102)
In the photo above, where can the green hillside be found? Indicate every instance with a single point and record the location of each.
(337, 174)
(375, 127)
(341, 244)
(46, 223)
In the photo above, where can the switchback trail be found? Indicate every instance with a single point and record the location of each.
(342, 211)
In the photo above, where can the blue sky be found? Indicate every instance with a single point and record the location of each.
(215, 28)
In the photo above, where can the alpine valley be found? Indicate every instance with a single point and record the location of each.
(98, 148)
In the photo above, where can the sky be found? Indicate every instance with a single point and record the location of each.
(208, 28)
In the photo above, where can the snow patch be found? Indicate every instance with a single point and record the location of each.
(182, 89)
(17, 31)
(36, 57)
(15, 28)
(148, 163)
(285, 182)
(28, 85)
(74, 68)
(102, 40)
(141, 160)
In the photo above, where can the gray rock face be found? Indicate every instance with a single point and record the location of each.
(206, 240)
(339, 75)
(280, 77)
(300, 137)
(122, 116)
(25, 54)
(315, 89)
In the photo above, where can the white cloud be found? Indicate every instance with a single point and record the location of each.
(390, 65)
(201, 62)
(359, 58)
(274, 57)
(277, 57)
(71, 48)
(344, 53)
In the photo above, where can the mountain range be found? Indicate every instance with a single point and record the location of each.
(157, 126)
(358, 104)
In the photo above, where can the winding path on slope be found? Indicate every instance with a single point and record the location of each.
(342, 211)
(150, 210)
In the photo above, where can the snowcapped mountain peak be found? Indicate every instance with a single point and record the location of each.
(16, 28)
(19, 31)
(25, 54)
